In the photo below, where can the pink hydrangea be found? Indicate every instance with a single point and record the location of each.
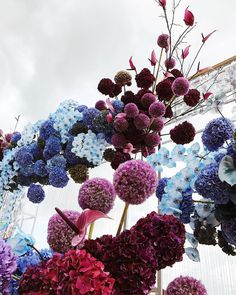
(186, 286)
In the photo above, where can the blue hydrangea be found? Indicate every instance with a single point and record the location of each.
(24, 157)
(15, 137)
(58, 177)
(56, 161)
(35, 150)
(47, 130)
(118, 105)
(39, 168)
(52, 147)
(216, 133)
(35, 193)
(82, 108)
(89, 115)
(161, 187)
(209, 185)
(23, 180)
(70, 157)
(186, 206)
(27, 171)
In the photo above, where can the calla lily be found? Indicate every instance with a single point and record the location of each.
(185, 52)
(162, 3)
(132, 66)
(188, 17)
(207, 95)
(204, 39)
(153, 59)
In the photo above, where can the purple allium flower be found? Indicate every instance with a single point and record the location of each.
(7, 266)
(135, 181)
(163, 41)
(209, 185)
(121, 124)
(97, 194)
(100, 105)
(118, 105)
(157, 124)
(186, 286)
(229, 230)
(216, 133)
(24, 157)
(141, 121)
(147, 99)
(52, 147)
(170, 63)
(39, 168)
(152, 139)
(186, 206)
(118, 140)
(89, 115)
(131, 110)
(180, 86)
(160, 190)
(60, 234)
(15, 137)
(35, 193)
(58, 177)
(157, 109)
(47, 130)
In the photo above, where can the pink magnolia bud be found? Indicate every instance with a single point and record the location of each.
(188, 17)
(162, 3)
(163, 41)
(185, 52)
(207, 95)
(204, 39)
(132, 66)
(153, 59)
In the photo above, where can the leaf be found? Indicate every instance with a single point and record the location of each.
(227, 171)
(185, 52)
(192, 240)
(192, 254)
(204, 39)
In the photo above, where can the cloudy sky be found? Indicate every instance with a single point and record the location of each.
(51, 50)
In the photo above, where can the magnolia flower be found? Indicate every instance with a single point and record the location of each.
(188, 17)
(132, 66)
(185, 52)
(153, 59)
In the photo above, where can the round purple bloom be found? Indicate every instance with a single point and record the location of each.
(39, 168)
(157, 109)
(229, 230)
(7, 266)
(163, 41)
(89, 115)
(135, 181)
(58, 177)
(60, 234)
(185, 286)
(35, 193)
(180, 86)
(58, 161)
(27, 171)
(216, 133)
(209, 185)
(161, 187)
(52, 147)
(47, 130)
(186, 206)
(131, 110)
(118, 105)
(15, 137)
(24, 157)
(82, 108)
(35, 151)
(97, 194)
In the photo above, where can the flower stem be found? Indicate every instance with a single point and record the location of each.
(124, 214)
(67, 220)
(35, 249)
(91, 231)
(158, 69)
(190, 68)
(203, 202)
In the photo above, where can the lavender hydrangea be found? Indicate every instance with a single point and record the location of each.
(97, 194)
(35, 193)
(7, 266)
(47, 130)
(39, 168)
(24, 157)
(52, 147)
(58, 177)
(56, 161)
(89, 115)
(229, 230)
(185, 286)
(216, 133)
(209, 185)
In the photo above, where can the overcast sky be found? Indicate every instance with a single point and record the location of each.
(51, 50)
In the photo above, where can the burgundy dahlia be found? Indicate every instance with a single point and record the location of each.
(192, 98)
(128, 97)
(169, 112)
(183, 133)
(105, 86)
(176, 73)
(119, 158)
(164, 90)
(145, 79)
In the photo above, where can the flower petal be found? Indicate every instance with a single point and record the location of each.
(204, 39)
(185, 52)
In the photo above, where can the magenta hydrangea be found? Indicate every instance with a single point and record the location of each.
(135, 181)
(97, 194)
(59, 232)
(186, 286)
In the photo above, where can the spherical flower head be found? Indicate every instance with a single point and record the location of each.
(118, 158)
(15, 137)
(157, 124)
(157, 109)
(135, 181)
(79, 173)
(81, 108)
(118, 140)
(164, 90)
(147, 99)
(228, 227)
(192, 98)
(163, 41)
(183, 133)
(144, 79)
(180, 86)
(160, 190)
(105, 86)
(118, 105)
(52, 147)
(100, 105)
(24, 157)
(46, 130)
(123, 78)
(108, 154)
(170, 63)
(35, 193)
(216, 133)
(209, 185)
(131, 110)
(176, 73)
(97, 194)
(128, 97)
(60, 233)
(89, 115)
(186, 285)
(152, 139)
(141, 121)
(58, 177)
(7, 266)
(39, 168)
(121, 124)
(78, 128)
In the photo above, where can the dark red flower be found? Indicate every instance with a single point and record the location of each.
(100, 105)
(188, 17)
(176, 73)
(169, 112)
(163, 89)
(144, 79)
(183, 133)
(192, 98)
(105, 86)
(118, 158)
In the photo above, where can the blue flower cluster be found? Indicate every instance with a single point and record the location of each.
(35, 193)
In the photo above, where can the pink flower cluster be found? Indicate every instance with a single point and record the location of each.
(186, 286)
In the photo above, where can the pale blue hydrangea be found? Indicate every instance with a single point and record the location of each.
(178, 153)
(155, 161)
(29, 132)
(90, 146)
